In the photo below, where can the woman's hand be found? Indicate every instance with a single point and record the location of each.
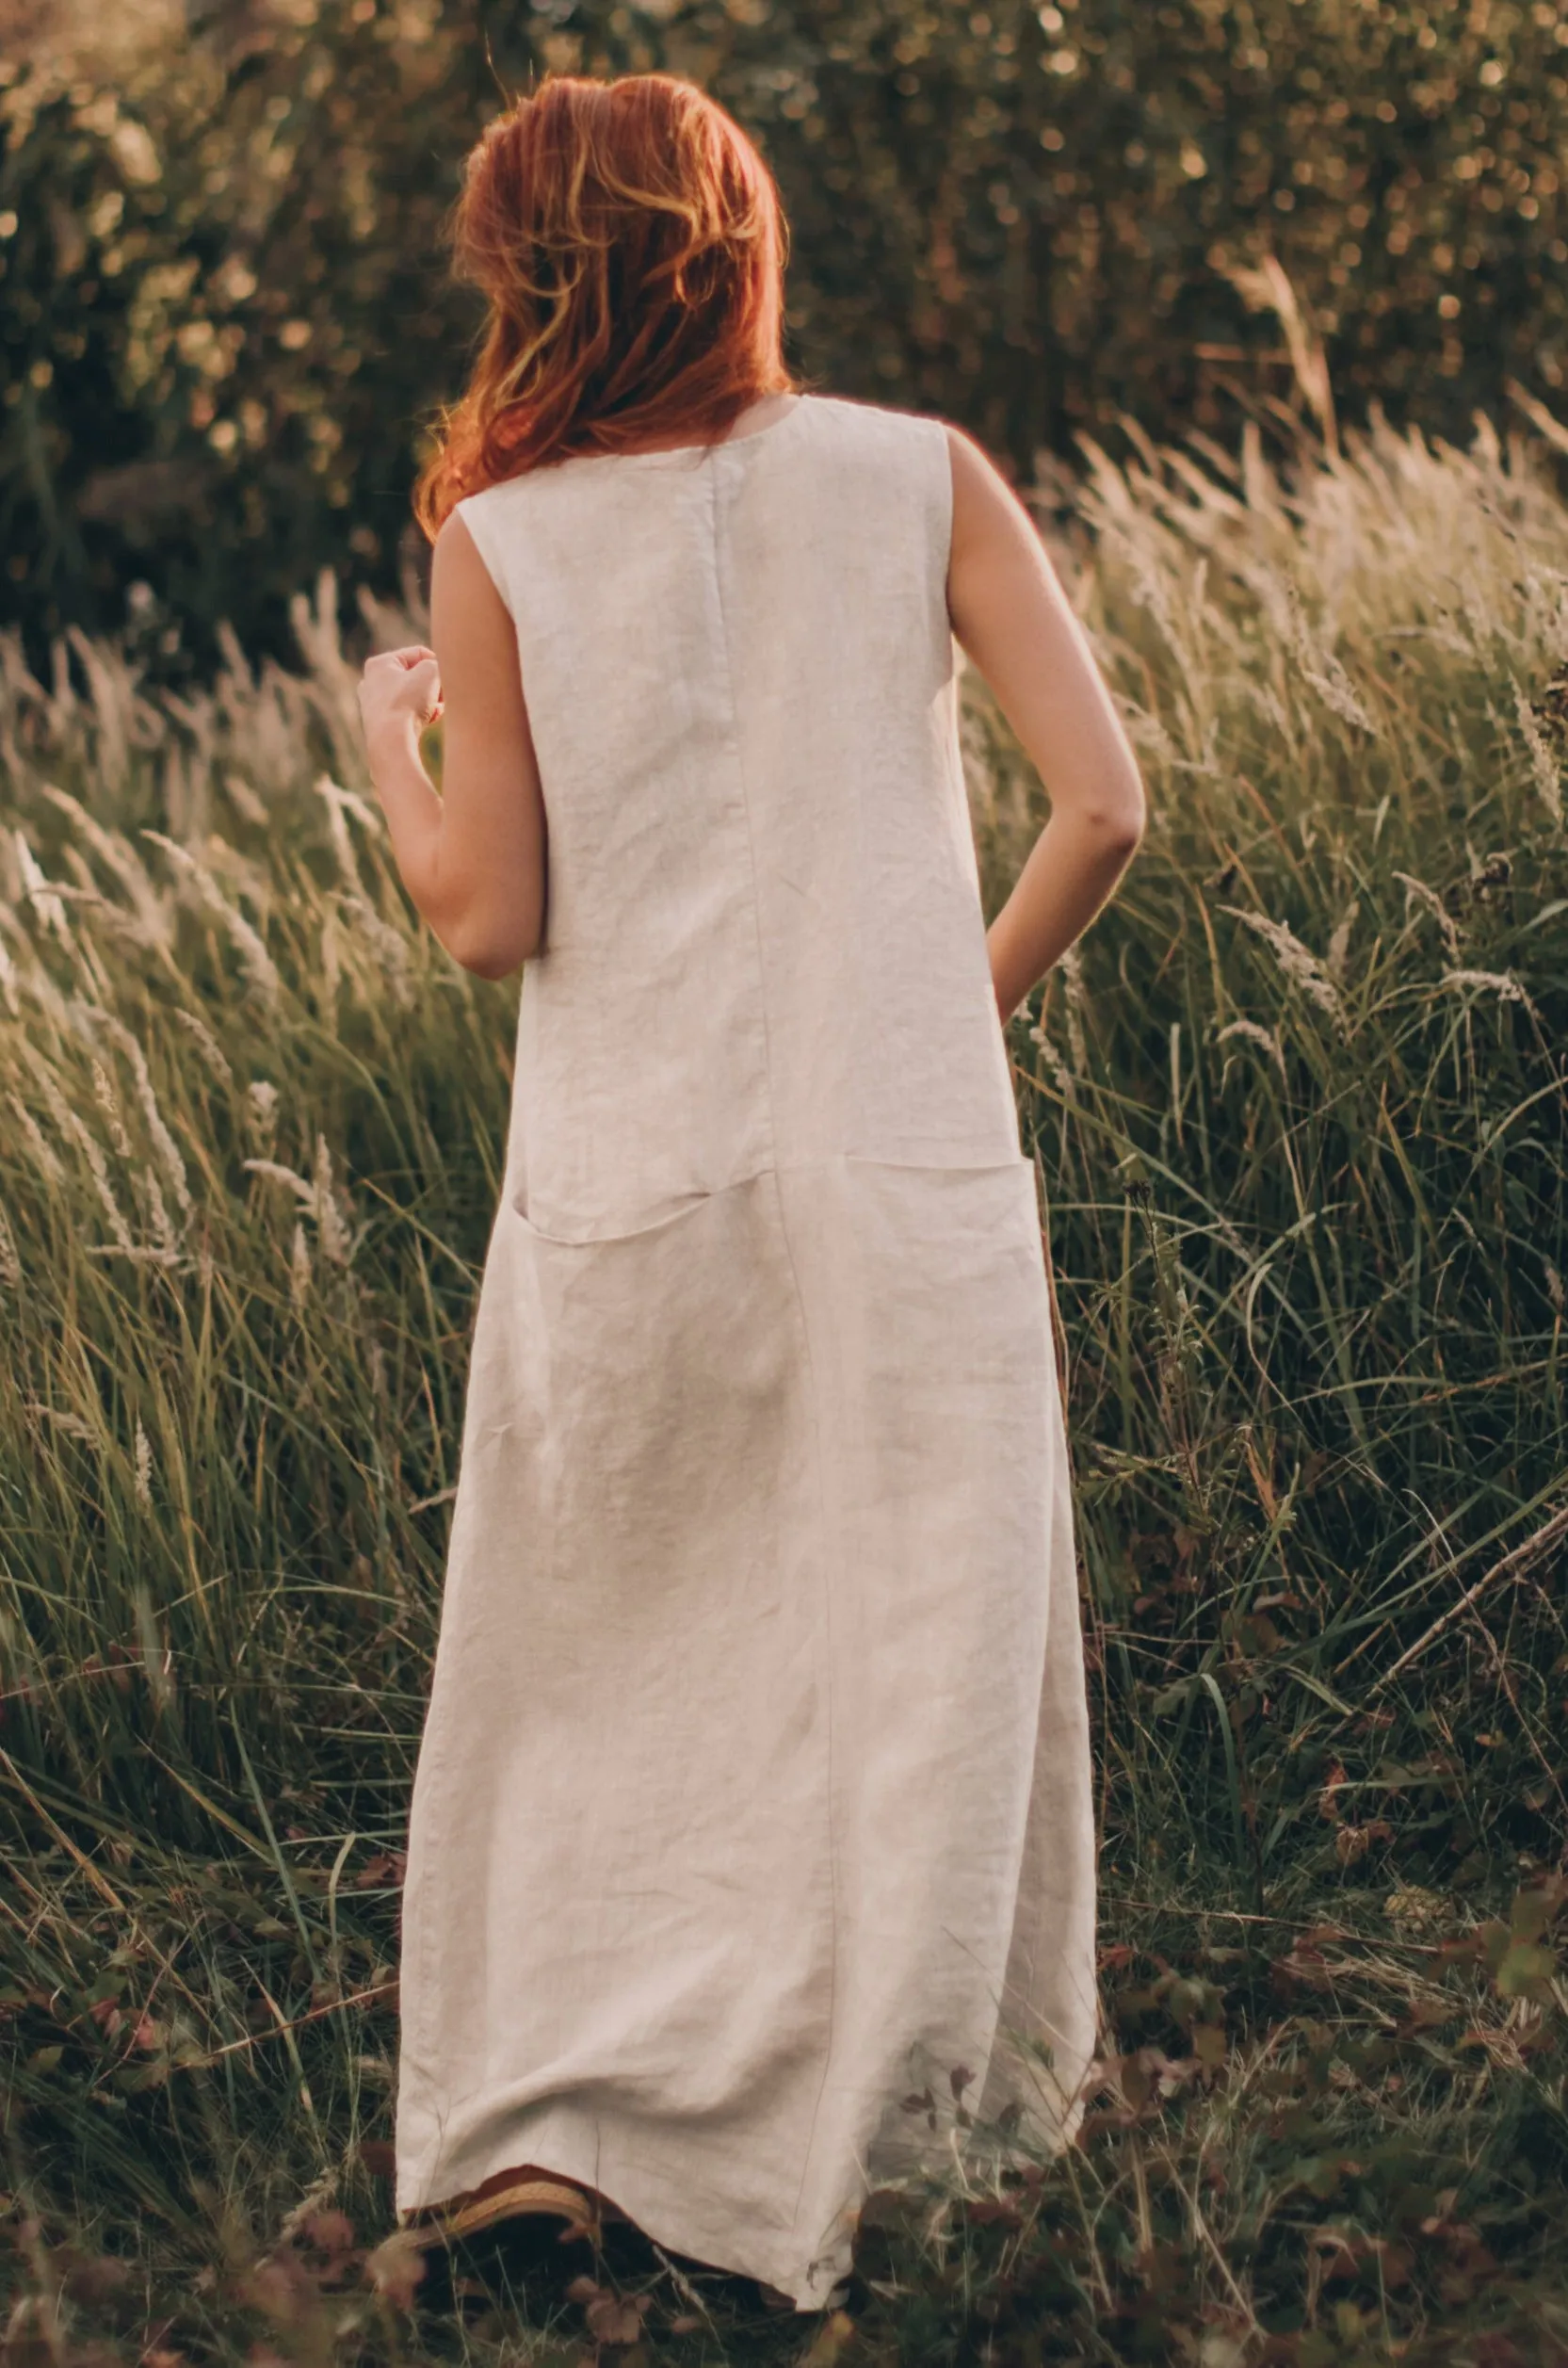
(399, 693)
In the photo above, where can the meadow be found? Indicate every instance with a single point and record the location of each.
(1301, 1113)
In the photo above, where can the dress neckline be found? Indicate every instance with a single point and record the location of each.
(687, 451)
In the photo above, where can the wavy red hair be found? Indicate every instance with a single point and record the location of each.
(630, 243)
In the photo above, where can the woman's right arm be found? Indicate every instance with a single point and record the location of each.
(1015, 624)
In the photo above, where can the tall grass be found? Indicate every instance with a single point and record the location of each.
(1299, 1104)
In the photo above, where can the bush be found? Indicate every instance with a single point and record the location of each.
(223, 315)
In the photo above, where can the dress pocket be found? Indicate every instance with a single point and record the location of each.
(585, 1233)
(651, 1375)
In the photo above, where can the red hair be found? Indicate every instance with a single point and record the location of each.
(630, 244)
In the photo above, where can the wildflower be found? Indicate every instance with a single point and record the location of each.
(337, 830)
(391, 948)
(1544, 766)
(168, 1239)
(244, 799)
(211, 1051)
(1320, 667)
(330, 1228)
(32, 1134)
(340, 802)
(108, 1102)
(1062, 1076)
(255, 961)
(1417, 891)
(1072, 975)
(300, 1267)
(99, 1167)
(1334, 686)
(1151, 592)
(261, 1098)
(70, 1124)
(276, 1172)
(72, 1424)
(144, 1468)
(1502, 984)
(42, 898)
(1302, 969)
(1265, 1038)
(151, 922)
(163, 1141)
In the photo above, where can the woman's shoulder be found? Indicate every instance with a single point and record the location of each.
(858, 415)
(873, 420)
(866, 445)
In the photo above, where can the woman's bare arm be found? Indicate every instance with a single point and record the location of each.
(473, 858)
(1015, 623)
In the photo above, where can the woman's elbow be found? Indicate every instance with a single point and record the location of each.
(1119, 822)
(1129, 827)
(488, 965)
(489, 953)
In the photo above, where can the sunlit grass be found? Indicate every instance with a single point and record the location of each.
(1300, 1108)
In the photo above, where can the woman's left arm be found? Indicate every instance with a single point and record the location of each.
(473, 857)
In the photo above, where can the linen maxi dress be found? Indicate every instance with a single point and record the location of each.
(753, 1795)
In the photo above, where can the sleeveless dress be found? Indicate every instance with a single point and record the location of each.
(752, 1860)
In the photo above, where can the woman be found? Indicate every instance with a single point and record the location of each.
(753, 1800)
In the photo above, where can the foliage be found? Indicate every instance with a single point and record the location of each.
(1301, 1110)
(225, 322)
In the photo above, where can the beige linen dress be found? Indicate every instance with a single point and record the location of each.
(753, 1800)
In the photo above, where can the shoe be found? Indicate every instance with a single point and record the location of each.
(516, 2199)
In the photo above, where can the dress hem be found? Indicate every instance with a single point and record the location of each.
(674, 2229)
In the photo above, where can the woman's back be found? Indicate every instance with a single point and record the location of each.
(765, 945)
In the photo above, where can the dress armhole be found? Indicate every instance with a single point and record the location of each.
(944, 534)
(941, 517)
(477, 516)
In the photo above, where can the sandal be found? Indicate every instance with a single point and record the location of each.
(524, 2197)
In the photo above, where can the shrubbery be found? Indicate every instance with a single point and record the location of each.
(223, 319)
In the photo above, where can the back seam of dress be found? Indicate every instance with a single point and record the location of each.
(829, 1656)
